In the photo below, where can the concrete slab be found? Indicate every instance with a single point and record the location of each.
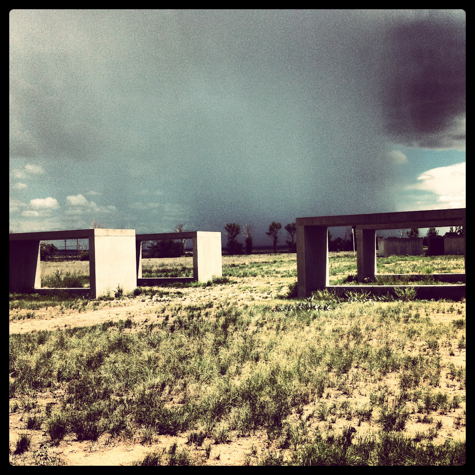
(207, 255)
(312, 245)
(112, 266)
(111, 259)
(426, 292)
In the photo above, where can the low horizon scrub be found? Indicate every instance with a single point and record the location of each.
(387, 449)
(248, 368)
(303, 373)
(67, 280)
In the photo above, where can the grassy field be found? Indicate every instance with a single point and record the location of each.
(253, 378)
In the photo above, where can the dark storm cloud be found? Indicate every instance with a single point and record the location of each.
(424, 102)
(246, 116)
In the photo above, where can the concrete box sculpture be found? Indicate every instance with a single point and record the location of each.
(207, 256)
(115, 258)
(111, 259)
(312, 248)
(394, 246)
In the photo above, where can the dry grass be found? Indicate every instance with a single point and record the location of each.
(234, 373)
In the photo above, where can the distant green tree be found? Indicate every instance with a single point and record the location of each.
(432, 232)
(274, 230)
(166, 248)
(413, 233)
(247, 231)
(96, 225)
(458, 230)
(47, 251)
(291, 229)
(179, 229)
(233, 245)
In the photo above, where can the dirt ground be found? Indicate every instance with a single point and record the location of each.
(143, 310)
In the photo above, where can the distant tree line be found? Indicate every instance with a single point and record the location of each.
(176, 247)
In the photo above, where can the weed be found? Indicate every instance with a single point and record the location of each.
(405, 293)
(459, 324)
(392, 420)
(56, 428)
(219, 368)
(196, 438)
(33, 423)
(22, 444)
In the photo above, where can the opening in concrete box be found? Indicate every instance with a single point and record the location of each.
(166, 260)
(201, 264)
(382, 273)
(110, 268)
(65, 264)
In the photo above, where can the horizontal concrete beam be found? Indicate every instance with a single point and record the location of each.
(53, 235)
(163, 236)
(396, 220)
(452, 292)
(440, 277)
(415, 224)
(79, 291)
(152, 281)
(69, 234)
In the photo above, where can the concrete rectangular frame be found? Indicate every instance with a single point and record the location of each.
(312, 247)
(207, 256)
(111, 259)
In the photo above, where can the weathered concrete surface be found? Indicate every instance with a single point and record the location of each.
(366, 255)
(438, 277)
(207, 255)
(454, 245)
(111, 259)
(452, 292)
(112, 266)
(24, 266)
(396, 220)
(312, 241)
(394, 246)
(312, 259)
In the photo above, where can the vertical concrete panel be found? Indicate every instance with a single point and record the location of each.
(454, 245)
(113, 261)
(312, 259)
(366, 253)
(464, 241)
(24, 266)
(138, 258)
(207, 256)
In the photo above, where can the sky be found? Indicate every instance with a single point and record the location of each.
(145, 119)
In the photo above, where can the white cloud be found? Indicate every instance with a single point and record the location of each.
(79, 205)
(27, 171)
(139, 205)
(37, 208)
(16, 205)
(397, 156)
(77, 200)
(44, 204)
(93, 193)
(34, 169)
(447, 183)
(30, 214)
(19, 186)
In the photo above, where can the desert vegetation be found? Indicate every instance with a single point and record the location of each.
(237, 371)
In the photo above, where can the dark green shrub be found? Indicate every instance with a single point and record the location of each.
(392, 420)
(166, 248)
(57, 427)
(22, 444)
